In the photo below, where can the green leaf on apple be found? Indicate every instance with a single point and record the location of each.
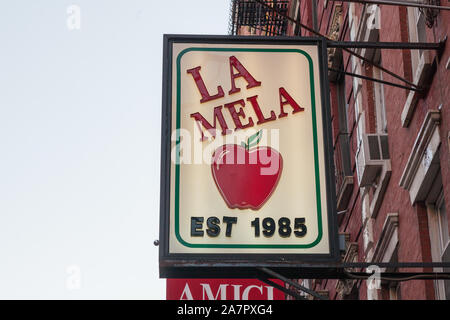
(252, 141)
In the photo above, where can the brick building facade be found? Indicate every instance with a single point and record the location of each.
(391, 145)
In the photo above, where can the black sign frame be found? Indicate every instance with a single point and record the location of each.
(206, 265)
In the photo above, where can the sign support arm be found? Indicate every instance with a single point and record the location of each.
(292, 283)
(281, 288)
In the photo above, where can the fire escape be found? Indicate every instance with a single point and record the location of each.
(258, 19)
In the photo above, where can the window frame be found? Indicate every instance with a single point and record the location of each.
(438, 247)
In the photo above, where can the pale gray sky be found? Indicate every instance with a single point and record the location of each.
(80, 143)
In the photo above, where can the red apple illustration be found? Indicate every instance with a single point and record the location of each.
(246, 175)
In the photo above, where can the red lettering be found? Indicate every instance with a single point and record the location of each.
(195, 73)
(201, 121)
(258, 111)
(236, 115)
(287, 100)
(242, 72)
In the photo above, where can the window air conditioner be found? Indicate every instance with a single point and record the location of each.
(370, 157)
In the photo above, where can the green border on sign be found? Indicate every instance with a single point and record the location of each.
(316, 155)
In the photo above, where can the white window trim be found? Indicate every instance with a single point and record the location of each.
(380, 107)
(444, 243)
(388, 241)
(420, 168)
(418, 57)
(421, 66)
(386, 245)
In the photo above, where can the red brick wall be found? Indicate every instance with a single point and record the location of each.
(414, 241)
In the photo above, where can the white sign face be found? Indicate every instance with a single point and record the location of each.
(247, 172)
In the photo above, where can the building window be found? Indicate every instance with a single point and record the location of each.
(390, 290)
(421, 62)
(443, 286)
(443, 223)
(380, 108)
(343, 129)
(439, 235)
(343, 166)
(386, 250)
(417, 33)
(393, 290)
(295, 14)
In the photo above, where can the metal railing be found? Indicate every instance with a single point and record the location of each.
(251, 14)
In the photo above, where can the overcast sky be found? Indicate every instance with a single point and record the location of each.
(80, 143)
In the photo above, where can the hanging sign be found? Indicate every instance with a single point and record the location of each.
(247, 172)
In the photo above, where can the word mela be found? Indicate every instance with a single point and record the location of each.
(236, 108)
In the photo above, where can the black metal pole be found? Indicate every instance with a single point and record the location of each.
(314, 15)
(400, 276)
(375, 80)
(387, 45)
(283, 289)
(397, 265)
(292, 283)
(397, 3)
